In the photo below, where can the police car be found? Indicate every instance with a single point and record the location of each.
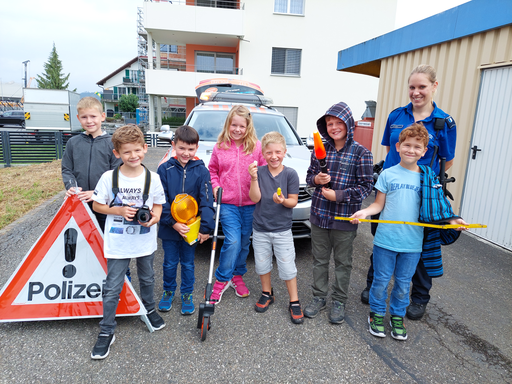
(208, 119)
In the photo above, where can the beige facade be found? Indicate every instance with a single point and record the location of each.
(459, 64)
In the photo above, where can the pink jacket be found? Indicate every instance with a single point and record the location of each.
(229, 169)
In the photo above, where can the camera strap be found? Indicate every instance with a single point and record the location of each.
(438, 126)
(115, 185)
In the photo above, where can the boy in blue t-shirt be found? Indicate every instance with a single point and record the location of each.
(397, 248)
(275, 190)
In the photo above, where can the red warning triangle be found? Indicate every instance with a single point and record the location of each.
(63, 274)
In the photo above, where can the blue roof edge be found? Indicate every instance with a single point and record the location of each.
(467, 19)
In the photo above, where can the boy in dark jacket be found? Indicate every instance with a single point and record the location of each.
(183, 174)
(350, 175)
(88, 155)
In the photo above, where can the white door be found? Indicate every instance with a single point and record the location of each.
(487, 195)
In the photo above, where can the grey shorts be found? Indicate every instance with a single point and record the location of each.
(284, 249)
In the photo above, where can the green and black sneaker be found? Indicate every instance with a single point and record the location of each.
(398, 331)
(376, 325)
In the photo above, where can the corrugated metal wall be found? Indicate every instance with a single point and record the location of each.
(458, 64)
(486, 195)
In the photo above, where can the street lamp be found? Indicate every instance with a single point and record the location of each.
(25, 63)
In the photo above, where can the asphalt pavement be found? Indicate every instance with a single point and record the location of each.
(465, 336)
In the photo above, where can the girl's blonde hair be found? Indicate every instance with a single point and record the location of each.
(249, 140)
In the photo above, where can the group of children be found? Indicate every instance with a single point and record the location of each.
(259, 193)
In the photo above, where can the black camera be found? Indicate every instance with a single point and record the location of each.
(143, 214)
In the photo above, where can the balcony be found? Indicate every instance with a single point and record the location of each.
(215, 23)
(181, 83)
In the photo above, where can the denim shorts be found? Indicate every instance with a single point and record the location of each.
(284, 249)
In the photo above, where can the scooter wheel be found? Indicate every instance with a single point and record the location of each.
(205, 327)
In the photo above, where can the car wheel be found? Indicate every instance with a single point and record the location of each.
(23, 124)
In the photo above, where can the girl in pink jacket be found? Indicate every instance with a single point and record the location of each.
(237, 147)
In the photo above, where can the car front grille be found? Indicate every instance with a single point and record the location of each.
(303, 194)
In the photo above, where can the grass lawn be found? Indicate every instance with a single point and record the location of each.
(23, 188)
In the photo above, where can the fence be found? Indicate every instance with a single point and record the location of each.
(34, 147)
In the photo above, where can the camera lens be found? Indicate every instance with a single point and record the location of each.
(143, 215)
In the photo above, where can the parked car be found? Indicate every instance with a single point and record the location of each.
(165, 133)
(208, 119)
(13, 118)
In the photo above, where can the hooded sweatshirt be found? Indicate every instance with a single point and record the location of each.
(229, 169)
(351, 171)
(86, 159)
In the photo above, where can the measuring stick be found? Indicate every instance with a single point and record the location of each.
(445, 226)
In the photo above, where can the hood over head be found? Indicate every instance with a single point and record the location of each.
(342, 111)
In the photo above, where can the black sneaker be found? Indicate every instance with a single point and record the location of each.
(398, 330)
(365, 296)
(337, 314)
(156, 321)
(376, 325)
(315, 306)
(264, 302)
(416, 311)
(102, 346)
(296, 314)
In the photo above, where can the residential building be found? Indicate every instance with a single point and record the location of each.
(130, 79)
(471, 48)
(284, 46)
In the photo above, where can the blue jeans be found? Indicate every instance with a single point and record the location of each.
(178, 252)
(116, 270)
(386, 264)
(237, 227)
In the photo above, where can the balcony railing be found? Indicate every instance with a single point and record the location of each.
(201, 69)
(227, 4)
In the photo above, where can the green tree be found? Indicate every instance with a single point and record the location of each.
(53, 78)
(128, 103)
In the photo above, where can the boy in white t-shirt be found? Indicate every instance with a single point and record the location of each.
(131, 196)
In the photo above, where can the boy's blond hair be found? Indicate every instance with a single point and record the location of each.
(89, 102)
(249, 140)
(273, 138)
(128, 134)
(416, 130)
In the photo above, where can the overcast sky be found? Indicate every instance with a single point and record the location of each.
(95, 37)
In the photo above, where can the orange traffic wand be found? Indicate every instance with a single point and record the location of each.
(320, 154)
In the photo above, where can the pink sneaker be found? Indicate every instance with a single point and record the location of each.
(239, 286)
(218, 289)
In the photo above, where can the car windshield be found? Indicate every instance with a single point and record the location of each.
(209, 124)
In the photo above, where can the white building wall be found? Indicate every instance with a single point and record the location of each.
(117, 79)
(325, 26)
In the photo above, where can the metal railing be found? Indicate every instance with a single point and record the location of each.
(229, 4)
(34, 147)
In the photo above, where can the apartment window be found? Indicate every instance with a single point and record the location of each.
(215, 62)
(293, 7)
(168, 48)
(286, 61)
